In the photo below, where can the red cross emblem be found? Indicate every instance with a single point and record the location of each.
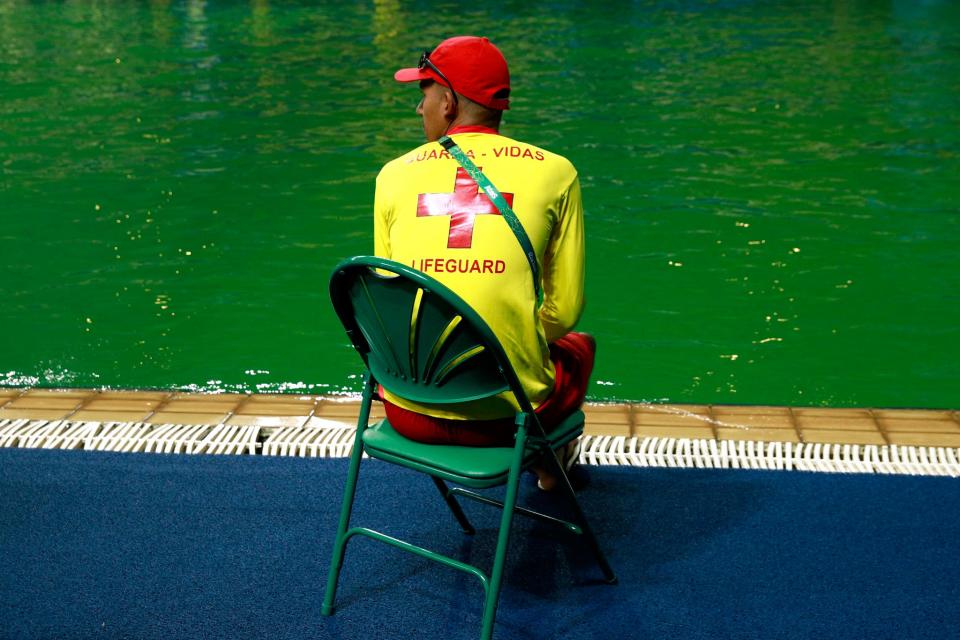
(463, 206)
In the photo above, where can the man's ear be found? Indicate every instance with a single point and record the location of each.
(449, 105)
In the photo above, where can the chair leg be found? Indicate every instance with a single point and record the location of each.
(451, 501)
(340, 543)
(609, 576)
(503, 538)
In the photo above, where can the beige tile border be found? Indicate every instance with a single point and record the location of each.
(926, 439)
(762, 423)
(101, 403)
(268, 421)
(933, 425)
(34, 402)
(60, 393)
(827, 436)
(674, 431)
(914, 414)
(181, 405)
(219, 397)
(261, 408)
(109, 416)
(32, 414)
(752, 422)
(164, 417)
(134, 395)
(857, 422)
(759, 434)
(748, 410)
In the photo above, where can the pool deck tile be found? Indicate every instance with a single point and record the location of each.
(671, 409)
(897, 425)
(906, 427)
(326, 423)
(830, 436)
(336, 410)
(110, 416)
(128, 404)
(925, 439)
(33, 414)
(593, 428)
(757, 434)
(198, 406)
(218, 397)
(602, 410)
(259, 408)
(611, 419)
(119, 394)
(836, 423)
(60, 393)
(914, 414)
(749, 410)
(267, 421)
(647, 417)
(825, 412)
(753, 422)
(284, 398)
(667, 431)
(171, 417)
(44, 402)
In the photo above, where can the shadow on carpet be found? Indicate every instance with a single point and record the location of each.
(105, 545)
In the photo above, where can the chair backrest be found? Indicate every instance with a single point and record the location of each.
(419, 339)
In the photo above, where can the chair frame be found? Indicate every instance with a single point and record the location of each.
(530, 444)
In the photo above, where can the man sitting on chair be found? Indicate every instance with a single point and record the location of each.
(430, 215)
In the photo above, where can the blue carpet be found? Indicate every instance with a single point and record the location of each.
(100, 545)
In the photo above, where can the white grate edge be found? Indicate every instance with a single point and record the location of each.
(337, 442)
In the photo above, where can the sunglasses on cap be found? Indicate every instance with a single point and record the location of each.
(426, 64)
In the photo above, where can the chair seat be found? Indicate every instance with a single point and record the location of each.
(476, 467)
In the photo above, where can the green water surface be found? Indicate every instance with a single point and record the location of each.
(771, 188)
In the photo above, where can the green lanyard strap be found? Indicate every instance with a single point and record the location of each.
(501, 204)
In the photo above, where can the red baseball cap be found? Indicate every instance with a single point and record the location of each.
(474, 66)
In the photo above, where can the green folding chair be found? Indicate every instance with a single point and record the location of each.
(422, 342)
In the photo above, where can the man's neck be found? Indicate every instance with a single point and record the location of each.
(471, 128)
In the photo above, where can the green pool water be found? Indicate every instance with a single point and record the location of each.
(771, 188)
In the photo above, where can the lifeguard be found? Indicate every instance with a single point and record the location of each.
(430, 214)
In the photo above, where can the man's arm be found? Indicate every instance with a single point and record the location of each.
(563, 268)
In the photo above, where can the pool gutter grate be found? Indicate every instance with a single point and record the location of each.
(747, 454)
(337, 441)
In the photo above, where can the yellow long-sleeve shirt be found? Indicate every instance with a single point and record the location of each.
(429, 215)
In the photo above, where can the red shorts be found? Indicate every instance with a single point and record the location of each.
(572, 357)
